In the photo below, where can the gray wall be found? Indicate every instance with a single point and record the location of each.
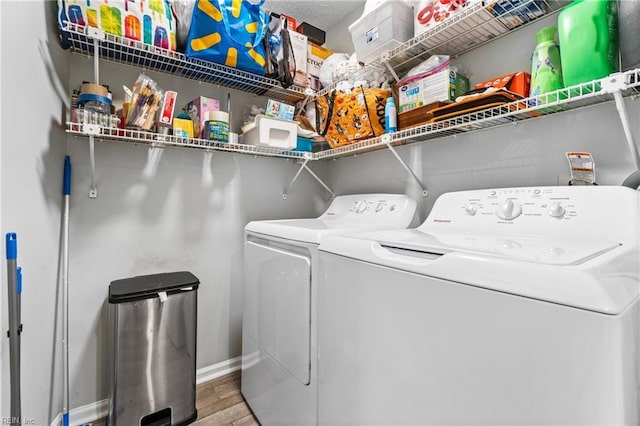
(157, 210)
(175, 209)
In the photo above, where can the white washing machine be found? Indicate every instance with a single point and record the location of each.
(279, 369)
(505, 307)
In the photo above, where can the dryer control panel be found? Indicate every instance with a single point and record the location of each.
(370, 207)
(607, 211)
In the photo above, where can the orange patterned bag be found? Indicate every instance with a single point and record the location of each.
(346, 117)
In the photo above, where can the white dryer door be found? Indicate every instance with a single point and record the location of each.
(282, 280)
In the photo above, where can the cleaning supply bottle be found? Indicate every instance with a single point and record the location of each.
(588, 35)
(546, 69)
(390, 117)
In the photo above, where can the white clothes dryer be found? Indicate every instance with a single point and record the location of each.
(510, 306)
(279, 368)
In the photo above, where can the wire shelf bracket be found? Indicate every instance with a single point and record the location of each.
(386, 139)
(304, 166)
(615, 84)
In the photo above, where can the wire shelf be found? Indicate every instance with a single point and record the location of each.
(470, 28)
(134, 53)
(477, 24)
(569, 98)
(157, 140)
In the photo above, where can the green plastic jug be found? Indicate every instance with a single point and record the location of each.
(588, 35)
(546, 70)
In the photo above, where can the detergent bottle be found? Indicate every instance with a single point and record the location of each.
(588, 36)
(546, 68)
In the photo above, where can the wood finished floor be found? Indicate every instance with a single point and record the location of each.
(219, 403)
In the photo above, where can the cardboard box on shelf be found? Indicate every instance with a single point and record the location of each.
(517, 82)
(445, 84)
(314, 34)
(198, 109)
(299, 46)
(315, 59)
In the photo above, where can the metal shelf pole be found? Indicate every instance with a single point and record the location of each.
(386, 139)
(304, 166)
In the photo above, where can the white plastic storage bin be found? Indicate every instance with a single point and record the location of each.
(273, 132)
(385, 27)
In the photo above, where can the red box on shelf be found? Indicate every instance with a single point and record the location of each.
(517, 82)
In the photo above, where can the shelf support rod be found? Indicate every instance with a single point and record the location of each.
(385, 60)
(96, 60)
(93, 191)
(304, 166)
(386, 139)
(624, 118)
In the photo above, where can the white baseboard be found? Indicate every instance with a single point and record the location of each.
(98, 410)
(218, 370)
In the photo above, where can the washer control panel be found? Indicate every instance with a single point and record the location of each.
(590, 210)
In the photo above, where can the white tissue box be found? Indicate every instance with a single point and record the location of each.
(273, 132)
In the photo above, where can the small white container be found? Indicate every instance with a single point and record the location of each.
(273, 132)
(382, 29)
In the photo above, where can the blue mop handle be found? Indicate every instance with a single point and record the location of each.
(66, 183)
(12, 246)
(19, 280)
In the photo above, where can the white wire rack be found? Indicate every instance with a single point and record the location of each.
(157, 140)
(134, 53)
(573, 97)
(477, 24)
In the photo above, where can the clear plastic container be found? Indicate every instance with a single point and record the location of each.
(385, 27)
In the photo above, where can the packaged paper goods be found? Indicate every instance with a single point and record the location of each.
(442, 84)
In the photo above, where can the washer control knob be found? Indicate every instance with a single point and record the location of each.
(509, 210)
(379, 207)
(361, 206)
(556, 210)
(470, 209)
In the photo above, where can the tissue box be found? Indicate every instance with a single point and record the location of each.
(273, 132)
(443, 85)
(198, 110)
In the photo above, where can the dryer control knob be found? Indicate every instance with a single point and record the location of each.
(470, 209)
(556, 210)
(509, 210)
(361, 207)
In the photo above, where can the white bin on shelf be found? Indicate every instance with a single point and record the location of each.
(385, 27)
(273, 132)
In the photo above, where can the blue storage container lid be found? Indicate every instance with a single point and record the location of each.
(148, 286)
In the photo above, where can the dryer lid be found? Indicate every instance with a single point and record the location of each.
(345, 214)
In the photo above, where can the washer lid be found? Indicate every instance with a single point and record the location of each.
(554, 251)
(601, 276)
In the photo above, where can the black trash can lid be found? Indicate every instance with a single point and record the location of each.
(148, 286)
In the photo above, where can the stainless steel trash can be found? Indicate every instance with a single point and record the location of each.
(152, 337)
